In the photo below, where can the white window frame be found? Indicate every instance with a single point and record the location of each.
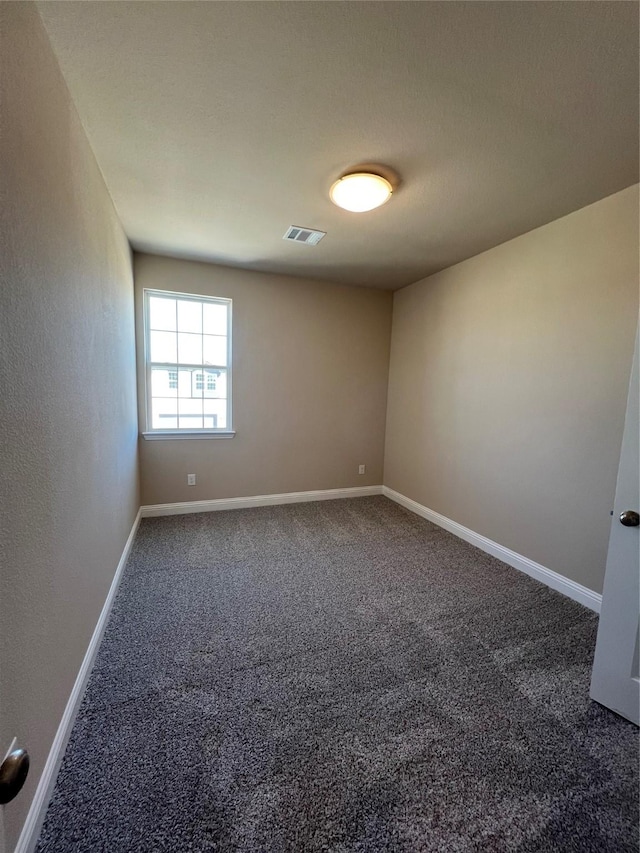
(149, 432)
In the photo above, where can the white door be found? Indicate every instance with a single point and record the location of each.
(615, 681)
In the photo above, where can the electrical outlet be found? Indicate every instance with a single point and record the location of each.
(191, 479)
(361, 469)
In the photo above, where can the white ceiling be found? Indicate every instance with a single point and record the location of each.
(219, 124)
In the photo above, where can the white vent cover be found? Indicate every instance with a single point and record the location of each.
(303, 235)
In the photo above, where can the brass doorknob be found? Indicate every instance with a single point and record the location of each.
(629, 518)
(13, 772)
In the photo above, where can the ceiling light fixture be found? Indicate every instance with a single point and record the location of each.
(360, 191)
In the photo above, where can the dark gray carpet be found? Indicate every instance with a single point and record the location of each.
(340, 676)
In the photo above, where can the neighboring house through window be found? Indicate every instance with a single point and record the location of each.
(187, 362)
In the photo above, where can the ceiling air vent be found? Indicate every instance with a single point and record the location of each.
(303, 235)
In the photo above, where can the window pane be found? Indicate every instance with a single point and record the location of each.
(189, 348)
(215, 319)
(190, 414)
(215, 385)
(188, 366)
(162, 346)
(164, 413)
(187, 384)
(162, 382)
(189, 316)
(162, 313)
(215, 414)
(214, 349)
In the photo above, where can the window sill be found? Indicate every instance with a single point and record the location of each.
(185, 433)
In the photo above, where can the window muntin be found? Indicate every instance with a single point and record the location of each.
(188, 362)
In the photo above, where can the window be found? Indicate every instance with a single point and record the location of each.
(188, 364)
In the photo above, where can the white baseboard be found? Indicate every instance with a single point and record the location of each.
(44, 790)
(552, 579)
(37, 811)
(257, 500)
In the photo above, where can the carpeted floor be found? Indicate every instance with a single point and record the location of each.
(340, 676)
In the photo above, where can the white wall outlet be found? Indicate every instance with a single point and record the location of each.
(361, 469)
(191, 479)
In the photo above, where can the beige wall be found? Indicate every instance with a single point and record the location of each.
(507, 390)
(508, 382)
(310, 369)
(67, 386)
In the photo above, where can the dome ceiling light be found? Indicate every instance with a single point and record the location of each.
(360, 191)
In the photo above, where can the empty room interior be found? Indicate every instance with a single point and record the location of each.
(319, 425)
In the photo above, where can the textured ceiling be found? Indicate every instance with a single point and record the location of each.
(219, 124)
